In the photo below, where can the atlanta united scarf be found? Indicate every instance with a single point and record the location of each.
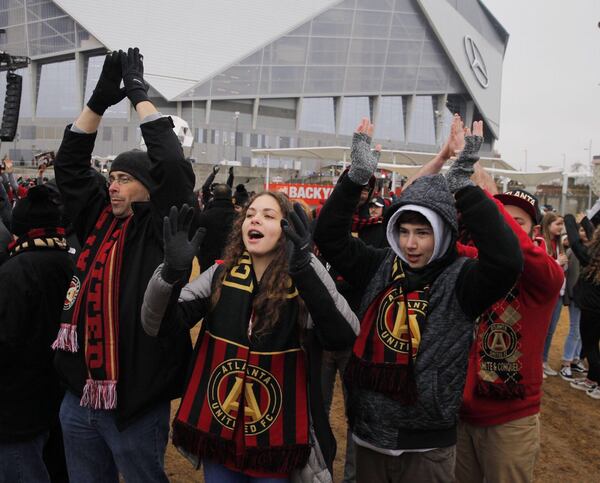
(384, 353)
(92, 303)
(245, 402)
(499, 350)
(39, 239)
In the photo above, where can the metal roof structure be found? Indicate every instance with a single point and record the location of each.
(224, 32)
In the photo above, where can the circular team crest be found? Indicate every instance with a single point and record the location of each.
(393, 325)
(72, 293)
(499, 341)
(262, 395)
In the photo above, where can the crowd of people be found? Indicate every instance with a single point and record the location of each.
(436, 308)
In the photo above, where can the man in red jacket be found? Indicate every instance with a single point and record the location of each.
(498, 436)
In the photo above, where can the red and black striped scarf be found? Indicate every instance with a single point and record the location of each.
(39, 239)
(92, 303)
(384, 353)
(359, 223)
(231, 371)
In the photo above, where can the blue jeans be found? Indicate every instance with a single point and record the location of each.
(216, 473)
(572, 346)
(96, 451)
(22, 462)
(552, 327)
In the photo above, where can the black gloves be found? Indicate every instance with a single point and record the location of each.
(215, 169)
(107, 92)
(299, 248)
(179, 250)
(133, 76)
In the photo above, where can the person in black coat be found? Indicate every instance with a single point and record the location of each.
(217, 218)
(107, 362)
(33, 282)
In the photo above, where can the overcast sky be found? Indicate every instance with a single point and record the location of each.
(551, 81)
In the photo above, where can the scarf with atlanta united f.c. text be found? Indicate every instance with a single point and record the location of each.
(246, 402)
(384, 353)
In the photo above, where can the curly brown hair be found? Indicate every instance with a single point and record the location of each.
(591, 271)
(274, 284)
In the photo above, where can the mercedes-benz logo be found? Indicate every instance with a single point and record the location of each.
(476, 62)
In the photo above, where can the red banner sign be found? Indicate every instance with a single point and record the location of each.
(312, 194)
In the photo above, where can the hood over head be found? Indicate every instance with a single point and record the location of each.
(430, 196)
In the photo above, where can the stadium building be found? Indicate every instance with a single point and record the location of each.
(261, 73)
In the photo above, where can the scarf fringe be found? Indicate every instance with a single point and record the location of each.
(394, 380)
(500, 391)
(99, 394)
(282, 459)
(66, 339)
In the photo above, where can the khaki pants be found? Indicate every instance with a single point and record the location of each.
(504, 453)
(435, 466)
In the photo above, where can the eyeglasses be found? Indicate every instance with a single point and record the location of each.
(124, 179)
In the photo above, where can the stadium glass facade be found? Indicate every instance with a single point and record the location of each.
(375, 58)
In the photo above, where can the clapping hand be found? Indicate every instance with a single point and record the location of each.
(364, 161)
(132, 65)
(459, 174)
(179, 249)
(108, 91)
(299, 248)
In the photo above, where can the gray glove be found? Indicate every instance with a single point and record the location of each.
(364, 161)
(459, 174)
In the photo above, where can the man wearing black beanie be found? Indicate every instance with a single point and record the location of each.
(111, 368)
(33, 282)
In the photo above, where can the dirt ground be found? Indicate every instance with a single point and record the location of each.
(570, 431)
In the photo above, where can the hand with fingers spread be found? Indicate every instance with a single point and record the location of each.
(108, 91)
(179, 249)
(300, 238)
(364, 161)
(132, 66)
(459, 174)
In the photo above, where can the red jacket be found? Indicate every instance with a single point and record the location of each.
(504, 378)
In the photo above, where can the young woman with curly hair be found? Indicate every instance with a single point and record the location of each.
(587, 297)
(252, 408)
(552, 227)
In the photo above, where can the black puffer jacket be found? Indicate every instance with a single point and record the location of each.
(151, 370)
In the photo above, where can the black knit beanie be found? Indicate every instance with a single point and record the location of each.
(137, 164)
(241, 196)
(37, 210)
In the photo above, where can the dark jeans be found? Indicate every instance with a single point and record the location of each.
(589, 327)
(97, 451)
(216, 473)
(22, 462)
(435, 466)
(334, 362)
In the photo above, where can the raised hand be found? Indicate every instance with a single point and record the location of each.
(459, 174)
(364, 161)
(132, 66)
(179, 249)
(215, 169)
(299, 236)
(108, 91)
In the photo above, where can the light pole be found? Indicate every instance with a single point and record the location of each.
(591, 168)
(236, 116)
